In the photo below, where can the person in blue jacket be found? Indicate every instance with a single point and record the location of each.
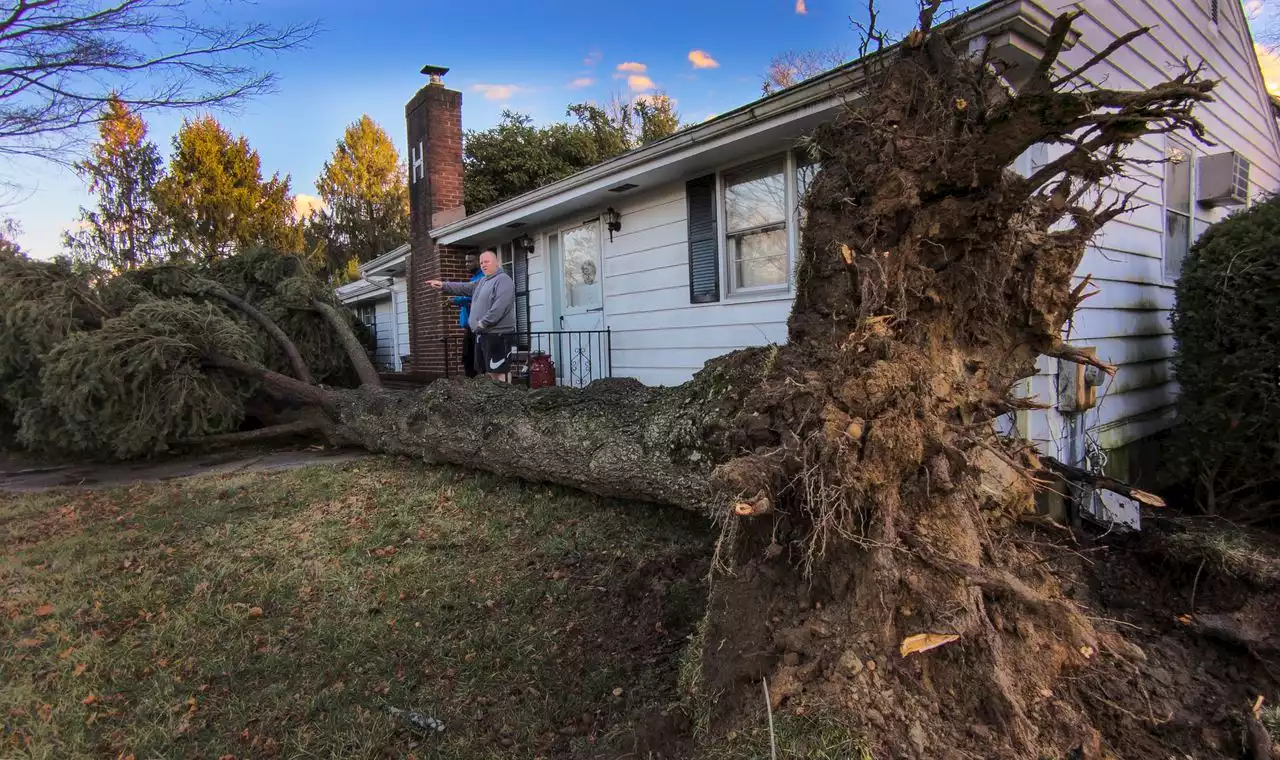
(464, 304)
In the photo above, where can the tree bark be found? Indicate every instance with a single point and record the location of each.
(300, 369)
(355, 352)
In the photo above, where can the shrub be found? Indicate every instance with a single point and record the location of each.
(1226, 321)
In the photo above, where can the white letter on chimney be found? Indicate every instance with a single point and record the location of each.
(418, 171)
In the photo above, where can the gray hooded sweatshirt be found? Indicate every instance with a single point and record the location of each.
(493, 302)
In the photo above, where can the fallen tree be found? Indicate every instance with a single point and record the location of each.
(869, 511)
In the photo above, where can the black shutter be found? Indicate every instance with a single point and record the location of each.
(520, 274)
(704, 240)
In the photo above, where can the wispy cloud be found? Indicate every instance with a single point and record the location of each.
(594, 57)
(640, 83)
(801, 8)
(633, 67)
(581, 82)
(701, 60)
(1269, 61)
(1253, 9)
(496, 91)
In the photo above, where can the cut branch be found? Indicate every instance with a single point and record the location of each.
(351, 344)
(1059, 350)
(1101, 481)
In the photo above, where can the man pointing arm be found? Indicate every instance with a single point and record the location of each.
(493, 315)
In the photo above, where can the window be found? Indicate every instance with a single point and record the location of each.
(745, 224)
(755, 214)
(1178, 170)
(806, 170)
(515, 261)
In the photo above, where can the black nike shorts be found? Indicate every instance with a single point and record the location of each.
(493, 352)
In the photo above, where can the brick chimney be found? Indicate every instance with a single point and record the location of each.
(434, 121)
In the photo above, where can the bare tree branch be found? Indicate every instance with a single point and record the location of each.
(60, 61)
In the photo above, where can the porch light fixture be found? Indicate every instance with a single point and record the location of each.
(525, 243)
(612, 222)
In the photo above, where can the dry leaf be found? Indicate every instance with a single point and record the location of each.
(28, 643)
(1184, 619)
(90, 700)
(961, 104)
(1087, 651)
(64, 654)
(44, 610)
(617, 692)
(923, 642)
(255, 612)
(847, 253)
(79, 669)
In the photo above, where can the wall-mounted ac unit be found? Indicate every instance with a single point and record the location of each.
(1224, 179)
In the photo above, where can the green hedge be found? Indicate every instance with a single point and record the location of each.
(1227, 325)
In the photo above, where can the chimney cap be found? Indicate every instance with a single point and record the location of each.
(435, 72)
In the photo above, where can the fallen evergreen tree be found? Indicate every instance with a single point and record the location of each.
(869, 511)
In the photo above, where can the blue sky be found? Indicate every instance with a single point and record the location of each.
(534, 57)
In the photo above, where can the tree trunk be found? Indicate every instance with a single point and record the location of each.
(355, 352)
(868, 510)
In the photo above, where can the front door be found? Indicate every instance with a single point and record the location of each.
(581, 351)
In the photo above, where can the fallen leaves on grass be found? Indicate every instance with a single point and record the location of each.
(45, 610)
(29, 643)
(92, 699)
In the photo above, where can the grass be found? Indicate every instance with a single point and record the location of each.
(1235, 551)
(279, 615)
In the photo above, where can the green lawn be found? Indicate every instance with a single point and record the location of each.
(279, 615)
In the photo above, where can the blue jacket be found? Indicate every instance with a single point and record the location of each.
(465, 301)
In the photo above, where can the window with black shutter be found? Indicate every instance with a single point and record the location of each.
(704, 253)
(516, 261)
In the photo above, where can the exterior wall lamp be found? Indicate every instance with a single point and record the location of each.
(612, 221)
(525, 243)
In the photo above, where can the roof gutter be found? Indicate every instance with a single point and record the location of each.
(1028, 16)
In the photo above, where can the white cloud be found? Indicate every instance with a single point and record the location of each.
(640, 83)
(304, 204)
(633, 67)
(581, 82)
(1253, 9)
(701, 60)
(496, 91)
(801, 8)
(594, 57)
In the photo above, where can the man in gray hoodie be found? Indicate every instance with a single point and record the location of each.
(493, 315)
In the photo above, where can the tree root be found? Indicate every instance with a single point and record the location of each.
(1005, 584)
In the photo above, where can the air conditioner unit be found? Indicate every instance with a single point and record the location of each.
(1224, 179)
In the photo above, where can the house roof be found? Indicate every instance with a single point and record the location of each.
(1017, 27)
(389, 264)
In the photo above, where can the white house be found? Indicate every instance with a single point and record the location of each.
(378, 300)
(675, 286)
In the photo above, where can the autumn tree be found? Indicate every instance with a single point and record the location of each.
(793, 67)
(875, 560)
(123, 230)
(517, 156)
(62, 63)
(366, 198)
(213, 200)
